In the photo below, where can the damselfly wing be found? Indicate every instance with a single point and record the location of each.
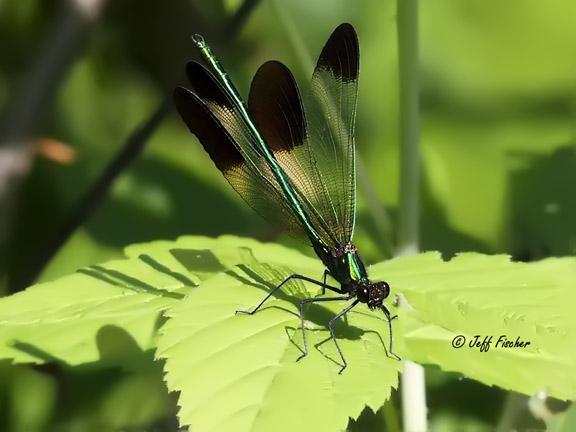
(297, 172)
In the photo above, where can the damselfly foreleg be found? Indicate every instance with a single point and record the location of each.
(294, 276)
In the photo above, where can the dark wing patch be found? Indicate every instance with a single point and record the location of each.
(318, 159)
(259, 189)
(216, 141)
(341, 54)
(276, 107)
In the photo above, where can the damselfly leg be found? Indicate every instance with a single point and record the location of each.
(293, 276)
(330, 323)
(312, 300)
(389, 317)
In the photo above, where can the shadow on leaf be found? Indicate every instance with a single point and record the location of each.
(34, 351)
(198, 260)
(120, 279)
(147, 259)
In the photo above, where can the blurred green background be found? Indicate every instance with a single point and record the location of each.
(498, 110)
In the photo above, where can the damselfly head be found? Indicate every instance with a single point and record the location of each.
(373, 293)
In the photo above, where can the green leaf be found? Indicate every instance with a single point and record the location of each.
(240, 372)
(482, 295)
(111, 312)
(81, 317)
(247, 364)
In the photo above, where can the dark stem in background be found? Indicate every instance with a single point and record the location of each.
(131, 149)
(239, 19)
(96, 194)
(62, 44)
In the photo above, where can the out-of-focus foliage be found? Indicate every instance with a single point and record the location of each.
(56, 397)
(494, 106)
(497, 94)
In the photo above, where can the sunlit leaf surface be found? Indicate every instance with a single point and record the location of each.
(240, 372)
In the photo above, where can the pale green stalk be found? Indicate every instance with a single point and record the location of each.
(413, 382)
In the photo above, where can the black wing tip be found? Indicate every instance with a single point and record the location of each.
(276, 106)
(183, 100)
(348, 32)
(347, 28)
(269, 68)
(179, 94)
(202, 123)
(194, 69)
(179, 91)
(272, 66)
(343, 39)
(193, 64)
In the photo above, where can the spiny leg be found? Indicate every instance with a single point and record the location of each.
(313, 300)
(331, 323)
(293, 276)
(389, 318)
(324, 276)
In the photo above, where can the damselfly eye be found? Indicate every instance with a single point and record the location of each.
(383, 288)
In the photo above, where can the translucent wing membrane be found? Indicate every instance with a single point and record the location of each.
(331, 113)
(318, 163)
(220, 103)
(276, 107)
(258, 189)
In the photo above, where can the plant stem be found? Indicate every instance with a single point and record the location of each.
(296, 40)
(133, 146)
(97, 192)
(62, 44)
(376, 209)
(238, 20)
(514, 406)
(413, 378)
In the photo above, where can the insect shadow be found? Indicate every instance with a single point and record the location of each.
(267, 278)
(116, 347)
(148, 260)
(341, 330)
(117, 278)
(35, 352)
(198, 260)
